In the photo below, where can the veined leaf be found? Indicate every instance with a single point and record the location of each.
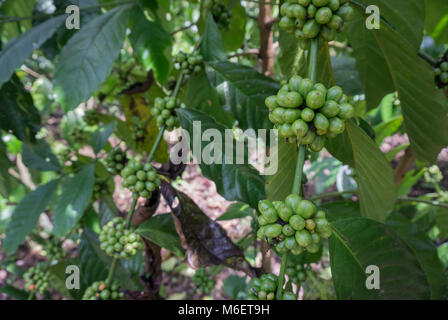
(240, 182)
(374, 175)
(244, 90)
(152, 44)
(25, 216)
(212, 48)
(40, 157)
(73, 201)
(17, 50)
(160, 229)
(358, 243)
(86, 60)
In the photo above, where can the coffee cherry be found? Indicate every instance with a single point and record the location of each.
(100, 291)
(189, 63)
(36, 279)
(164, 111)
(140, 179)
(117, 241)
(116, 160)
(309, 19)
(294, 224)
(53, 250)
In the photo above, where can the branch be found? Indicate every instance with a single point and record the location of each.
(249, 52)
(267, 52)
(183, 28)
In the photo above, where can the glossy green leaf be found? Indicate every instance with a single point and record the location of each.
(436, 19)
(234, 37)
(17, 112)
(346, 75)
(236, 211)
(160, 229)
(243, 90)
(374, 175)
(75, 198)
(152, 45)
(99, 138)
(425, 251)
(17, 50)
(86, 60)
(25, 216)
(40, 157)
(358, 243)
(202, 96)
(279, 185)
(212, 48)
(240, 182)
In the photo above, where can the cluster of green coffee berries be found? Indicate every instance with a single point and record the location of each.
(221, 14)
(101, 187)
(203, 281)
(140, 179)
(137, 129)
(99, 291)
(265, 288)
(37, 279)
(441, 72)
(164, 111)
(311, 18)
(296, 273)
(77, 134)
(116, 160)
(118, 241)
(53, 249)
(189, 63)
(91, 117)
(292, 225)
(309, 112)
(433, 175)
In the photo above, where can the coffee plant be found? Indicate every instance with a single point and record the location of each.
(95, 117)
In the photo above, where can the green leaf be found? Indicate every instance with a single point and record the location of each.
(424, 107)
(240, 182)
(19, 49)
(234, 37)
(152, 44)
(374, 175)
(291, 59)
(17, 112)
(346, 75)
(424, 250)
(160, 229)
(13, 8)
(341, 148)
(202, 96)
(212, 48)
(410, 179)
(370, 62)
(235, 287)
(25, 216)
(87, 58)
(387, 60)
(442, 222)
(7, 182)
(387, 128)
(244, 90)
(436, 20)
(99, 138)
(279, 185)
(40, 157)
(74, 199)
(236, 211)
(358, 243)
(14, 292)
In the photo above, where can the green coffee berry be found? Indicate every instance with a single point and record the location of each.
(140, 179)
(116, 160)
(117, 241)
(36, 279)
(100, 291)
